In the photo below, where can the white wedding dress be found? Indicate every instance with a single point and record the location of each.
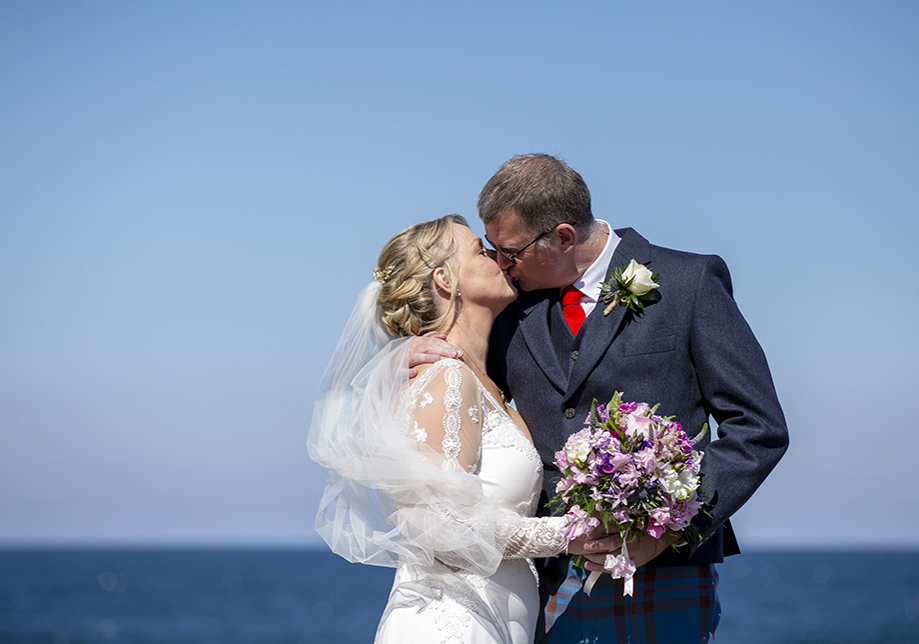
(434, 479)
(437, 604)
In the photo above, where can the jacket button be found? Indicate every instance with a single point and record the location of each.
(574, 355)
(570, 412)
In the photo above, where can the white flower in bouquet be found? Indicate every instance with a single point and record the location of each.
(681, 485)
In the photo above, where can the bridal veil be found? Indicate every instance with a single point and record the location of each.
(389, 499)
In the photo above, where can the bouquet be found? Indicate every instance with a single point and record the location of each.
(631, 471)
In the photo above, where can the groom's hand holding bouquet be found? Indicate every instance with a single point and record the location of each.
(633, 476)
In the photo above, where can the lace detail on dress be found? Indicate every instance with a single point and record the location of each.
(419, 433)
(538, 537)
(456, 601)
(506, 434)
(452, 402)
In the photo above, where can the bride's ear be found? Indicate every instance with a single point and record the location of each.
(442, 281)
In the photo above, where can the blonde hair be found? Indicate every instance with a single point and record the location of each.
(406, 268)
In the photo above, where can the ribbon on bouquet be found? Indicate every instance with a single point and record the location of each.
(618, 566)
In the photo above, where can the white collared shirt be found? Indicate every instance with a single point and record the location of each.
(589, 282)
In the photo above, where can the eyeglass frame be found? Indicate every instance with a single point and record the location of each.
(512, 257)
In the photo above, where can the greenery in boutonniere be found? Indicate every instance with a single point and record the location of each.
(629, 285)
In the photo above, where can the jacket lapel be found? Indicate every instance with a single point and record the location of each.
(599, 331)
(534, 326)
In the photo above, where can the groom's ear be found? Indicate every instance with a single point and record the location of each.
(567, 236)
(442, 281)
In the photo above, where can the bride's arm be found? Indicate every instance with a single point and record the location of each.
(446, 417)
(538, 537)
(447, 421)
(547, 537)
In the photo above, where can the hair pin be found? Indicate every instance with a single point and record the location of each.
(383, 275)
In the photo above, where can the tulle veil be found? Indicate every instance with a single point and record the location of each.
(386, 502)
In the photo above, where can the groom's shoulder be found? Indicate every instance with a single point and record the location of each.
(687, 263)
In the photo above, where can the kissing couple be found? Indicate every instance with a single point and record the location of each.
(433, 472)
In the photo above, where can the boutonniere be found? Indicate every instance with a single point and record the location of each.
(630, 285)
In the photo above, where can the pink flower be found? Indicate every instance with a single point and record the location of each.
(629, 475)
(564, 484)
(641, 408)
(660, 517)
(646, 460)
(618, 460)
(682, 514)
(639, 426)
(583, 478)
(622, 515)
(619, 567)
(561, 459)
(579, 523)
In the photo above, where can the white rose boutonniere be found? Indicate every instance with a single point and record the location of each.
(630, 285)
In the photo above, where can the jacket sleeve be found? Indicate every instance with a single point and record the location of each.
(738, 393)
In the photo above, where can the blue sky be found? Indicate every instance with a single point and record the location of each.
(193, 194)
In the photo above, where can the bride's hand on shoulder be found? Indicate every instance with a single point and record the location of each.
(429, 348)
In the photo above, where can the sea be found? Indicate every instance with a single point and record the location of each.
(313, 597)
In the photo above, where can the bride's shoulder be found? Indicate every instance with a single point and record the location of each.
(445, 366)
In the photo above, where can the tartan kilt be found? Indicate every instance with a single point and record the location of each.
(670, 605)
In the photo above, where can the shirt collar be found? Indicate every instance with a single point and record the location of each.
(589, 282)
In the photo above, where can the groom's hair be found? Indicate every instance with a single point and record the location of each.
(543, 190)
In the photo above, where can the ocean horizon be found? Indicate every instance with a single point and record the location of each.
(275, 595)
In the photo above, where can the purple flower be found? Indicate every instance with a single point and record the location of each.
(601, 440)
(605, 464)
(602, 414)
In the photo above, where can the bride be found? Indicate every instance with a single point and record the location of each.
(433, 475)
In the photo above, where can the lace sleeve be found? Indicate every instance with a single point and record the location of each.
(441, 420)
(538, 537)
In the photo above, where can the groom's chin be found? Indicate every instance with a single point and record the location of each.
(519, 287)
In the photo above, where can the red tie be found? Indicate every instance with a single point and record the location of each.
(572, 309)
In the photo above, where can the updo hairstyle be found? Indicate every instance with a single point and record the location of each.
(407, 265)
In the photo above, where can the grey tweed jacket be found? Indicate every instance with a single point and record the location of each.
(691, 351)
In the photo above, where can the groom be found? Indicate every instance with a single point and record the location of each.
(557, 348)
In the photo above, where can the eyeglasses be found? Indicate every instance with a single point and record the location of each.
(512, 257)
